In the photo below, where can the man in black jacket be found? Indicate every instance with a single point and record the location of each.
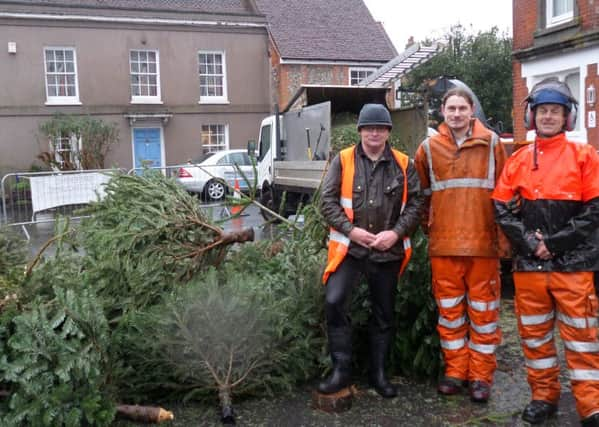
(371, 199)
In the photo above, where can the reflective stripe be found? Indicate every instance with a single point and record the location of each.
(577, 322)
(584, 374)
(537, 342)
(536, 319)
(549, 362)
(484, 306)
(489, 328)
(453, 344)
(345, 202)
(452, 324)
(582, 346)
(450, 302)
(487, 183)
(338, 237)
(407, 243)
(463, 183)
(427, 192)
(482, 348)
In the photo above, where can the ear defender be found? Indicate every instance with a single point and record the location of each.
(529, 116)
(571, 119)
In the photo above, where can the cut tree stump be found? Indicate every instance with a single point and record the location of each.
(335, 402)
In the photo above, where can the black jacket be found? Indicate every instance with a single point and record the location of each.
(377, 195)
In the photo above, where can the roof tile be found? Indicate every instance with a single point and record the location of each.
(334, 30)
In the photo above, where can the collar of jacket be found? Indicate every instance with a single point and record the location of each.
(552, 141)
(478, 134)
(385, 157)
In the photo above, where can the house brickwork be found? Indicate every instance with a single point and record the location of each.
(565, 46)
(320, 42)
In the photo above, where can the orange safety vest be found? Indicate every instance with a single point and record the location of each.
(338, 242)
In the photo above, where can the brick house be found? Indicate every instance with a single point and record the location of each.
(557, 38)
(177, 77)
(334, 42)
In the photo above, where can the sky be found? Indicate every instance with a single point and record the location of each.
(405, 18)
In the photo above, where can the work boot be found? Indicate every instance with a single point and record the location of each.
(449, 386)
(537, 411)
(379, 347)
(340, 348)
(592, 421)
(480, 391)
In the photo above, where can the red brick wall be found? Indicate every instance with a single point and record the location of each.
(589, 13)
(524, 22)
(520, 91)
(292, 76)
(592, 133)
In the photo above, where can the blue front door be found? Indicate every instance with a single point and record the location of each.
(146, 145)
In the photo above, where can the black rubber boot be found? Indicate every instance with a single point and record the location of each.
(379, 348)
(340, 348)
(592, 421)
(538, 411)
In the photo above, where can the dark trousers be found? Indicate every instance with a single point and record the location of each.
(382, 284)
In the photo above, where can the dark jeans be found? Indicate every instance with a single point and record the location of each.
(382, 284)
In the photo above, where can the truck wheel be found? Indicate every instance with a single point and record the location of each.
(267, 199)
(215, 190)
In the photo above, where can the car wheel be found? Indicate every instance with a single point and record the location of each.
(215, 190)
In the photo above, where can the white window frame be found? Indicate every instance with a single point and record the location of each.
(214, 99)
(368, 70)
(552, 19)
(145, 99)
(210, 148)
(61, 99)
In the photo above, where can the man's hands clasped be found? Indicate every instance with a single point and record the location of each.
(381, 241)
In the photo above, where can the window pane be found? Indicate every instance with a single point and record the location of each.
(68, 55)
(144, 73)
(561, 7)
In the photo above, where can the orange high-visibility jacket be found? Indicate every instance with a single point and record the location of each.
(458, 181)
(338, 242)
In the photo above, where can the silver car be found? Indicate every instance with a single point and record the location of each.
(208, 176)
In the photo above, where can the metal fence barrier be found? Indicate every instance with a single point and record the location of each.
(35, 197)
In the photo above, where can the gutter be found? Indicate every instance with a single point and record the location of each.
(121, 20)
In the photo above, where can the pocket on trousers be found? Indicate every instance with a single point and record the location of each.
(591, 315)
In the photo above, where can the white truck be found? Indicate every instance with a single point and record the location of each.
(294, 146)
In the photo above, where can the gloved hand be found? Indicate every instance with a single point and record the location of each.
(514, 204)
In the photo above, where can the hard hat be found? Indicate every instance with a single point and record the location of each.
(551, 91)
(374, 115)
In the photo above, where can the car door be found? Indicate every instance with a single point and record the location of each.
(242, 160)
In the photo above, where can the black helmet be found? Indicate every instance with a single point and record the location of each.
(374, 115)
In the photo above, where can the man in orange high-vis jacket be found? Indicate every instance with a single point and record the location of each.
(458, 168)
(547, 203)
(371, 200)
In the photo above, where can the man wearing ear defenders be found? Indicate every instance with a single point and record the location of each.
(555, 241)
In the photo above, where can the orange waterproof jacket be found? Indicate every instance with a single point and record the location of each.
(458, 182)
(559, 199)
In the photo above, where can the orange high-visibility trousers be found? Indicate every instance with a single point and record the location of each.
(468, 291)
(571, 298)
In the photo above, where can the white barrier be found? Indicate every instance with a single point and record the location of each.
(27, 194)
(63, 190)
